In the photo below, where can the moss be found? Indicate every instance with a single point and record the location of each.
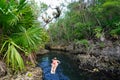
(29, 74)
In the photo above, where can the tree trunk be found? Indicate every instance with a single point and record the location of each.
(32, 58)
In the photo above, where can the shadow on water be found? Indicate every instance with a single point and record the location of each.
(65, 71)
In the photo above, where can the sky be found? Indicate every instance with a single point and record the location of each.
(56, 2)
(51, 2)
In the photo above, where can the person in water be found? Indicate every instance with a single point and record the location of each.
(54, 65)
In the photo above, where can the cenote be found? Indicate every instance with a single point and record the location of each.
(68, 70)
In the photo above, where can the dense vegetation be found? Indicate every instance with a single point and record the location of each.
(94, 20)
(20, 33)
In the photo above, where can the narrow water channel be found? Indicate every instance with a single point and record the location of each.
(65, 71)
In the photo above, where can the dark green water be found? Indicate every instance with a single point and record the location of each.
(66, 70)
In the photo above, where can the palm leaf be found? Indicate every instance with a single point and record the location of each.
(3, 46)
(30, 39)
(17, 58)
(14, 15)
(13, 58)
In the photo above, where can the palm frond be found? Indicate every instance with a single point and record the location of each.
(12, 56)
(30, 39)
(14, 15)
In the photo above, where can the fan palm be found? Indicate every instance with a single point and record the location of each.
(19, 31)
(13, 58)
(30, 39)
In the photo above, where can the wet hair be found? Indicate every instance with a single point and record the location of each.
(55, 58)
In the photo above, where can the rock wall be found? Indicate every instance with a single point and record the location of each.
(96, 56)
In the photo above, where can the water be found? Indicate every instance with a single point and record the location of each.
(65, 71)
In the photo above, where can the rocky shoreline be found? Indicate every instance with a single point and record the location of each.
(32, 73)
(96, 57)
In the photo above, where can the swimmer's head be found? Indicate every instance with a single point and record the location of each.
(55, 58)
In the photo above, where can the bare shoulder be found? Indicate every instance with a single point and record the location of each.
(58, 61)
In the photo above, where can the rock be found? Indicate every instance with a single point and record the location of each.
(43, 51)
(95, 70)
(70, 47)
(103, 55)
(34, 73)
(113, 52)
(3, 69)
(58, 47)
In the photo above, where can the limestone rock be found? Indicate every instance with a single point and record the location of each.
(34, 73)
(3, 69)
(43, 51)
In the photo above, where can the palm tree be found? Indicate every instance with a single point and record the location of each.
(21, 34)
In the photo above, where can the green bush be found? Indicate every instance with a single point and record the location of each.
(116, 32)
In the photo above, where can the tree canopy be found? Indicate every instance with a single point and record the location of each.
(90, 20)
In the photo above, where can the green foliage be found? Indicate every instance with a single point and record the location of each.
(88, 21)
(98, 32)
(13, 58)
(108, 14)
(30, 39)
(86, 44)
(116, 32)
(83, 42)
(78, 23)
(12, 14)
(102, 45)
(44, 6)
(29, 74)
(20, 31)
(73, 6)
(84, 30)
